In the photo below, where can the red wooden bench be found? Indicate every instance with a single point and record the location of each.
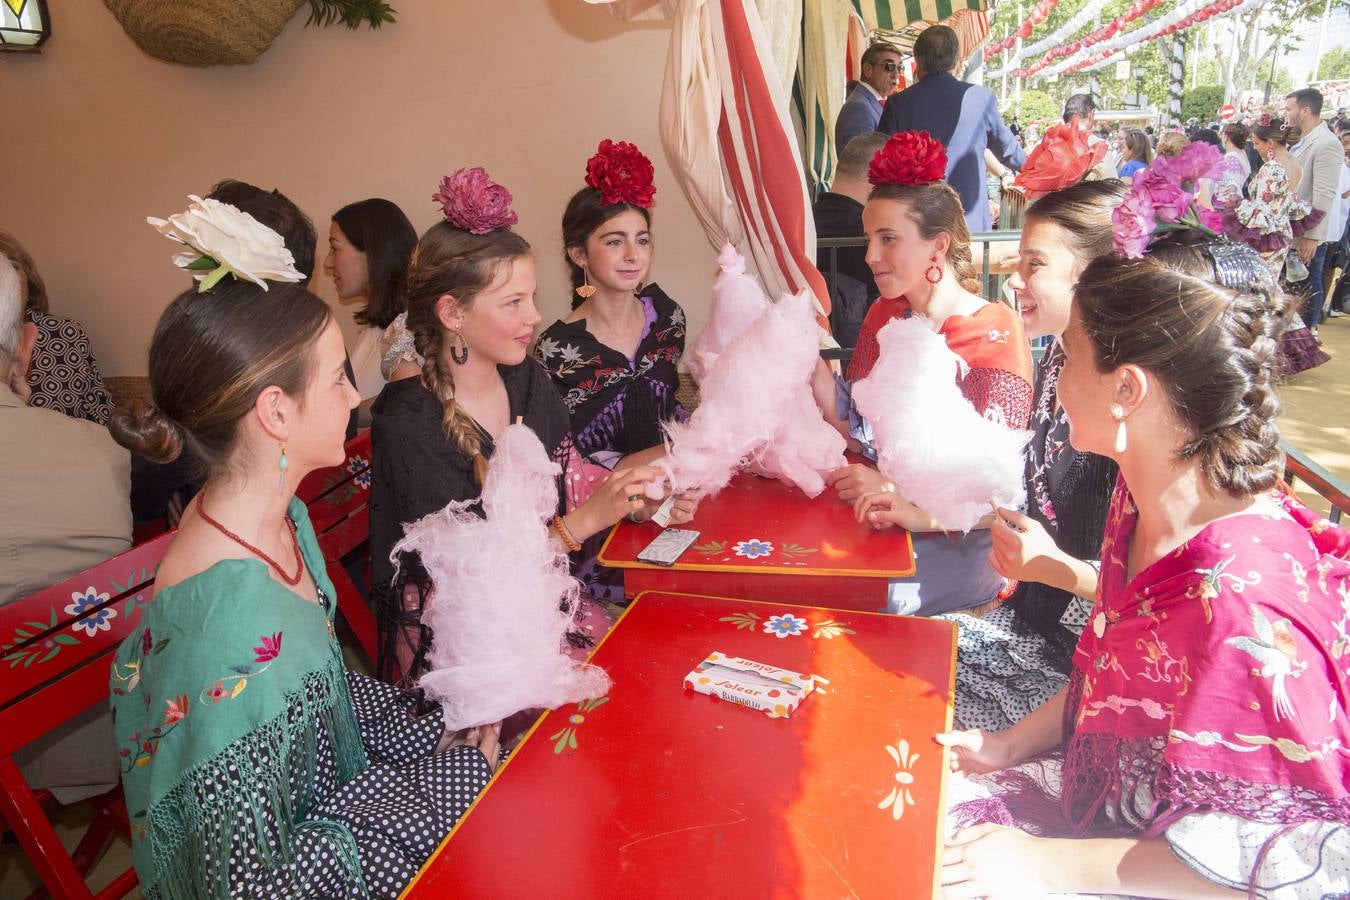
(338, 500)
(58, 646)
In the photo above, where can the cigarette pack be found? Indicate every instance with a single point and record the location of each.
(769, 689)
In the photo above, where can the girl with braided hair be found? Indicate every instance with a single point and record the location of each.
(1200, 746)
(472, 315)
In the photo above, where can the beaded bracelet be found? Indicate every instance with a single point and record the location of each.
(569, 542)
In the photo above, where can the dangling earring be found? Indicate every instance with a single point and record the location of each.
(459, 348)
(1118, 413)
(928, 275)
(1270, 153)
(586, 290)
(282, 465)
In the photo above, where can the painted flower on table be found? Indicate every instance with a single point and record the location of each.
(900, 794)
(359, 466)
(753, 548)
(85, 602)
(785, 625)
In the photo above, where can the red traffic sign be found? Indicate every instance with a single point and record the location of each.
(1227, 111)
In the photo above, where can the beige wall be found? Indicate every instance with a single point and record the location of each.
(526, 88)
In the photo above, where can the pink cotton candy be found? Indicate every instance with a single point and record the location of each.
(943, 456)
(755, 408)
(497, 584)
(737, 302)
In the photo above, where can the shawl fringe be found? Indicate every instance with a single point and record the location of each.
(262, 771)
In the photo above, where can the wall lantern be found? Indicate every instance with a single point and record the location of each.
(24, 24)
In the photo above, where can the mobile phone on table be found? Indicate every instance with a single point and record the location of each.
(668, 546)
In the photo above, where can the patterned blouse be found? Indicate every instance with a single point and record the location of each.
(64, 376)
(617, 403)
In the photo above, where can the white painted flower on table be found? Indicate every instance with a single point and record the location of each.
(900, 794)
(786, 625)
(227, 241)
(753, 548)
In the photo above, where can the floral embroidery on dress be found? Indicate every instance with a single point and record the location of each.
(233, 684)
(1273, 647)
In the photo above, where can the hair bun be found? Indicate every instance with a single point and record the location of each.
(143, 428)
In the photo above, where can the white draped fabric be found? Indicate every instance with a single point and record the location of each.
(726, 129)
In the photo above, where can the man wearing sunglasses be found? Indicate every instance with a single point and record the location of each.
(964, 117)
(862, 109)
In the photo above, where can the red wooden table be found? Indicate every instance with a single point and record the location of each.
(656, 791)
(764, 540)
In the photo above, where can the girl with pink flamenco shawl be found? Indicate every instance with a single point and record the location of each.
(1200, 748)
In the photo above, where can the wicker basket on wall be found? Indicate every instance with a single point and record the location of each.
(204, 32)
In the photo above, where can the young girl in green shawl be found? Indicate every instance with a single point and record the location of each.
(254, 764)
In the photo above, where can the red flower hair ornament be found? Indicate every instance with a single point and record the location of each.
(909, 157)
(621, 174)
(1062, 158)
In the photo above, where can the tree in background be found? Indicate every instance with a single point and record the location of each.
(1037, 106)
(1335, 65)
(1202, 103)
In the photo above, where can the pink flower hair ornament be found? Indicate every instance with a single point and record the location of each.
(473, 202)
(1162, 199)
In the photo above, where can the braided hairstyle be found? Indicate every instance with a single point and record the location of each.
(449, 260)
(936, 208)
(1214, 348)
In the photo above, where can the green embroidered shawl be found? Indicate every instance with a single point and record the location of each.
(227, 668)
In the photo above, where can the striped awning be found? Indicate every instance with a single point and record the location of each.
(971, 27)
(894, 15)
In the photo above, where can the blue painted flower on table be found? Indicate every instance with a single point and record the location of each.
(786, 625)
(86, 601)
(753, 548)
(359, 466)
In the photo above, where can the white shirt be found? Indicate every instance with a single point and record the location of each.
(366, 357)
(1340, 207)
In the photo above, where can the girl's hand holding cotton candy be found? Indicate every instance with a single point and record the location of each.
(884, 509)
(622, 493)
(1022, 549)
(854, 481)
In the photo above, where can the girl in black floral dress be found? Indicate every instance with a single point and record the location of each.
(1014, 659)
(613, 359)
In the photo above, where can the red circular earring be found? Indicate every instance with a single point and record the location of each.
(928, 272)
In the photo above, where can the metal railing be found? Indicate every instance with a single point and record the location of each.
(1299, 465)
(985, 238)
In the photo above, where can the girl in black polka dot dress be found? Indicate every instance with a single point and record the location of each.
(254, 764)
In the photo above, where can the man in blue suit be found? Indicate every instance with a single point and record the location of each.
(964, 117)
(862, 109)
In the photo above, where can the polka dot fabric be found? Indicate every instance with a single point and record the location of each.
(394, 814)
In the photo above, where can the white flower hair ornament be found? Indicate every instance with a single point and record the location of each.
(227, 241)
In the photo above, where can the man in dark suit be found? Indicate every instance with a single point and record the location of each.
(964, 117)
(862, 109)
(838, 213)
